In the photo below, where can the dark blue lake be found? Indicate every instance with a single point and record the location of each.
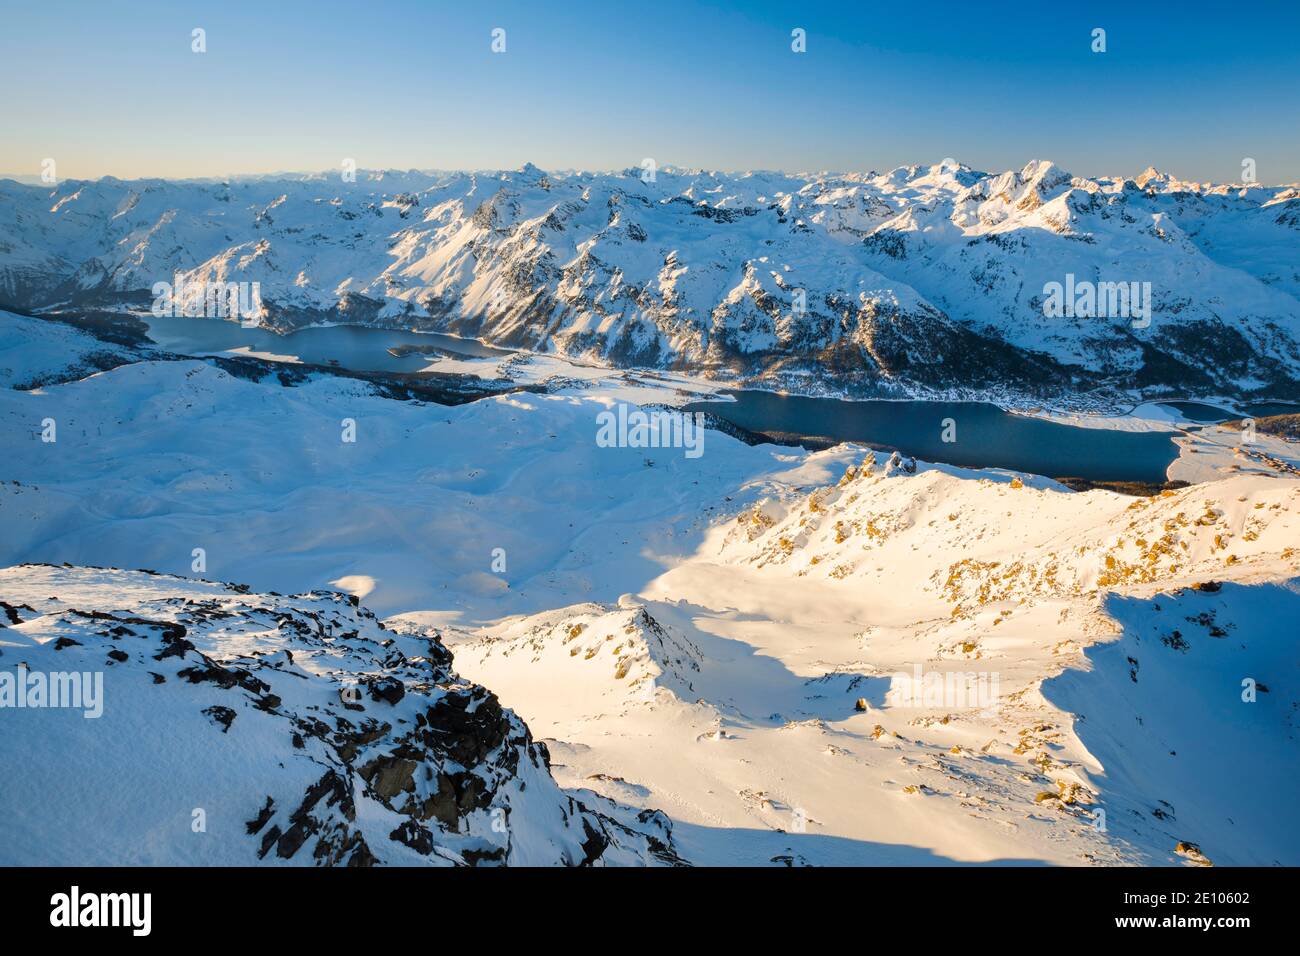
(986, 436)
(353, 347)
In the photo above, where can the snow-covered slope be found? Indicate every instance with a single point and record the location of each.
(983, 666)
(234, 728)
(730, 639)
(635, 655)
(34, 352)
(917, 280)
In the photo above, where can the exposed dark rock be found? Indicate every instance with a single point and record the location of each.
(223, 716)
(448, 765)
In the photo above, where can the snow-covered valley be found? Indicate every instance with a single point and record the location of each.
(759, 655)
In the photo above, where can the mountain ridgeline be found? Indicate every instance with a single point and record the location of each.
(924, 281)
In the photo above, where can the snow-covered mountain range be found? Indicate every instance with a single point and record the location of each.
(922, 280)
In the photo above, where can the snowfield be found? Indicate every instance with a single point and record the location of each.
(761, 656)
(1115, 655)
(34, 351)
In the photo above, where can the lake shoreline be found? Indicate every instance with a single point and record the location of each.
(1084, 405)
(963, 434)
(1127, 458)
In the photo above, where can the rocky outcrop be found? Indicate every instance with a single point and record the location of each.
(335, 741)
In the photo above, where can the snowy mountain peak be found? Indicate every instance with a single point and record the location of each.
(1150, 175)
(672, 267)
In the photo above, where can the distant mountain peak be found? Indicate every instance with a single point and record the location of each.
(1151, 174)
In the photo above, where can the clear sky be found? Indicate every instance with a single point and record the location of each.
(114, 88)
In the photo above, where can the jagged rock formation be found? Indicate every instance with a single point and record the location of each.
(297, 729)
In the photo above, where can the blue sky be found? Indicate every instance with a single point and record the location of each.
(113, 88)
